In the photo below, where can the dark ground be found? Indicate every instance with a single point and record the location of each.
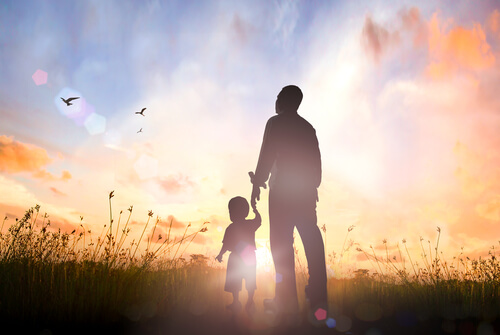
(184, 322)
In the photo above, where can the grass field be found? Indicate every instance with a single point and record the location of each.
(53, 282)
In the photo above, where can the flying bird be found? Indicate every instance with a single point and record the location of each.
(140, 131)
(141, 112)
(68, 101)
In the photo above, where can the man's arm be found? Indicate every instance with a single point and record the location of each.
(264, 164)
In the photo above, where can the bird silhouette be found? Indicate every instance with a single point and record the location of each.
(141, 112)
(140, 131)
(68, 101)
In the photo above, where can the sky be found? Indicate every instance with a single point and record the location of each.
(404, 99)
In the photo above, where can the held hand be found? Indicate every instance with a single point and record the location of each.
(252, 179)
(255, 196)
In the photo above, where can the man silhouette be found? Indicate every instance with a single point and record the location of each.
(290, 153)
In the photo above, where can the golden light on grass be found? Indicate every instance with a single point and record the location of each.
(52, 275)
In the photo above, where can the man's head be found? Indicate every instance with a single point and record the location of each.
(238, 209)
(288, 99)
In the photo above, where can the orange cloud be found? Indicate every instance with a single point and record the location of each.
(18, 157)
(171, 220)
(412, 21)
(202, 239)
(64, 225)
(457, 49)
(490, 210)
(494, 22)
(175, 184)
(58, 193)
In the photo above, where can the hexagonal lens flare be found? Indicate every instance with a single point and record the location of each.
(40, 77)
(95, 124)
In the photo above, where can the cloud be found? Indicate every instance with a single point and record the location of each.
(158, 232)
(240, 30)
(175, 183)
(493, 22)
(202, 239)
(285, 20)
(64, 225)
(456, 49)
(171, 221)
(490, 210)
(377, 39)
(412, 21)
(16, 157)
(58, 193)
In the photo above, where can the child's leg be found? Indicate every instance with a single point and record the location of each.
(236, 295)
(251, 293)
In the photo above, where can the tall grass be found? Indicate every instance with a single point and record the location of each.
(438, 288)
(51, 276)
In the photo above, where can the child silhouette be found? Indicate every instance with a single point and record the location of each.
(239, 239)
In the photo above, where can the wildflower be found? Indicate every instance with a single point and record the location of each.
(111, 194)
(150, 213)
(323, 228)
(438, 229)
(130, 209)
(204, 229)
(350, 228)
(404, 240)
(359, 249)
(37, 208)
(384, 241)
(81, 218)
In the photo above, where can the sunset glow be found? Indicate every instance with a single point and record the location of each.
(404, 100)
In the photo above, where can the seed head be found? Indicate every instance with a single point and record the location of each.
(150, 213)
(111, 194)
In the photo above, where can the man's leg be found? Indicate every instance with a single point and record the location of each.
(315, 255)
(281, 238)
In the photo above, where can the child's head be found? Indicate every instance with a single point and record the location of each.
(238, 208)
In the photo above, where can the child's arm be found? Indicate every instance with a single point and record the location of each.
(221, 253)
(258, 219)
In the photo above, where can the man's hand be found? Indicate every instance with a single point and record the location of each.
(255, 190)
(219, 258)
